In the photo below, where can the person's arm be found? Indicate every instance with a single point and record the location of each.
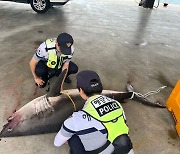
(65, 133)
(33, 64)
(60, 139)
(65, 66)
(38, 55)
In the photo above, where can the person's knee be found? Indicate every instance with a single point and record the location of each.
(41, 69)
(76, 146)
(122, 144)
(73, 68)
(40, 72)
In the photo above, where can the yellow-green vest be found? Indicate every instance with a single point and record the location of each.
(53, 61)
(109, 112)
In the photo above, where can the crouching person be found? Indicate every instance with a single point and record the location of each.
(100, 127)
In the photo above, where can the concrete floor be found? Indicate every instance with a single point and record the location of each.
(117, 39)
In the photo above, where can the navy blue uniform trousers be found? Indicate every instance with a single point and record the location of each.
(46, 73)
(76, 146)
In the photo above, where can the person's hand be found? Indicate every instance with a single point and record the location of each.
(66, 142)
(39, 81)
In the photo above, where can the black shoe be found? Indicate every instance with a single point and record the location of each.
(67, 80)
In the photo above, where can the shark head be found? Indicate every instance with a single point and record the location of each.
(17, 121)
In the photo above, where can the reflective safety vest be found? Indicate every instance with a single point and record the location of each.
(53, 60)
(109, 112)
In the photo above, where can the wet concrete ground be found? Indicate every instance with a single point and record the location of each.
(119, 40)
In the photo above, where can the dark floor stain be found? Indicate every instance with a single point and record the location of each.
(172, 134)
(35, 90)
(162, 79)
(129, 78)
(171, 143)
(40, 31)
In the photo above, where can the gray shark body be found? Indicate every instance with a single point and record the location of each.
(46, 113)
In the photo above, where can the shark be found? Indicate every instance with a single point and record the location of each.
(47, 113)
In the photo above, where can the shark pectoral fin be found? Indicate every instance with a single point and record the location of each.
(57, 86)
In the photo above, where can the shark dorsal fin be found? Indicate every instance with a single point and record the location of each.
(55, 91)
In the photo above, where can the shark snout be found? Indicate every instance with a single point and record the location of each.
(13, 122)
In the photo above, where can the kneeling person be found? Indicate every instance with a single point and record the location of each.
(100, 127)
(52, 57)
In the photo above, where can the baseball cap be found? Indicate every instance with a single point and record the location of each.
(88, 79)
(65, 41)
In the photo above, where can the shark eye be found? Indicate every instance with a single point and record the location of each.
(9, 129)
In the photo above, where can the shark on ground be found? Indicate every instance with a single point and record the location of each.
(46, 113)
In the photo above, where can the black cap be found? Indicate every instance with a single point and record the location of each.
(88, 79)
(65, 41)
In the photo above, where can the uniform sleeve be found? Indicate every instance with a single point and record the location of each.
(65, 133)
(68, 128)
(41, 52)
(72, 50)
(68, 59)
(60, 139)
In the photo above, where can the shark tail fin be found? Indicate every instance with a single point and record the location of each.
(142, 98)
